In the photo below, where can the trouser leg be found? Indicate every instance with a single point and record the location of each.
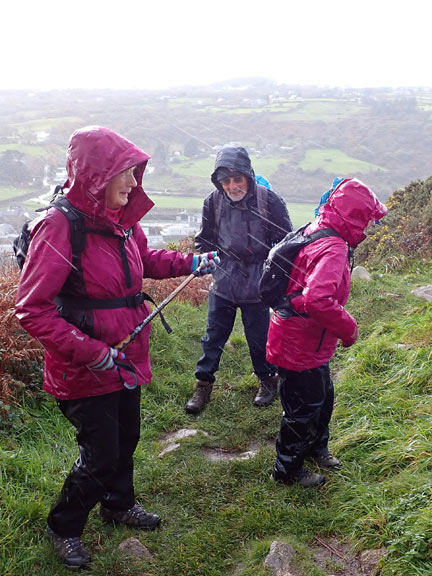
(303, 395)
(320, 446)
(96, 420)
(220, 322)
(256, 319)
(119, 490)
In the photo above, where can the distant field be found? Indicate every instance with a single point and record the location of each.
(309, 110)
(300, 213)
(335, 161)
(7, 192)
(46, 124)
(24, 149)
(203, 167)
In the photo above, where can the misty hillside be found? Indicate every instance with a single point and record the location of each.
(300, 138)
(208, 476)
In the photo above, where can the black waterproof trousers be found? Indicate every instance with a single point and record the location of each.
(107, 432)
(220, 323)
(307, 400)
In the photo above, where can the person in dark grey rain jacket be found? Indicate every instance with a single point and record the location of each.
(242, 220)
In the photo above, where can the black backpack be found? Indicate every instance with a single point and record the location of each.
(277, 267)
(76, 223)
(78, 242)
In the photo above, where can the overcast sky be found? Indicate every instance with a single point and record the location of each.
(164, 43)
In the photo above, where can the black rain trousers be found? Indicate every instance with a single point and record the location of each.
(107, 432)
(307, 399)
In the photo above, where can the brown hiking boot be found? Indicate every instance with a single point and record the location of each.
(200, 397)
(135, 517)
(327, 461)
(267, 391)
(70, 550)
(304, 477)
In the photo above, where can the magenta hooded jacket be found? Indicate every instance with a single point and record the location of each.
(95, 156)
(321, 273)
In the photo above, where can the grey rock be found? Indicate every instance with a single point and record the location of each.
(133, 547)
(361, 273)
(370, 560)
(424, 292)
(279, 559)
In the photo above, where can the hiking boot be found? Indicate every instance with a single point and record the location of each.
(304, 477)
(327, 461)
(267, 391)
(71, 551)
(135, 517)
(200, 397)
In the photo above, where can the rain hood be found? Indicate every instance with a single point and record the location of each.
(95, 155)
(349, 209)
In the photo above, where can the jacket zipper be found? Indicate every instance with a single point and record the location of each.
(321, 340)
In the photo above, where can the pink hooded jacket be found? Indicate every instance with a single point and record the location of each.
(321, 272)
(95, 156)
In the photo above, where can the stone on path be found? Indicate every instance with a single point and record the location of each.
(424, 292)
(133, 547)
(361, 273)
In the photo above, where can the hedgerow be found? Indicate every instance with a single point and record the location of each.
(405, 233)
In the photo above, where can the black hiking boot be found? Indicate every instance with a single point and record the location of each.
(71, 551)
(200, 397)
(304, 477)
(267, 391)
(327, 461)
(135, 517)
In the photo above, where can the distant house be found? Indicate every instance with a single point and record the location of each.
(188, 217)
(176, 232)
(60, 175)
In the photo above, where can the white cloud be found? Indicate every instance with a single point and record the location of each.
(135, 43)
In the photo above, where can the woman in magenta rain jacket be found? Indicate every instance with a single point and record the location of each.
(301, 346)
(105, 173)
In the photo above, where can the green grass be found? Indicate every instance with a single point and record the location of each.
(335, 161)
(7, 192)
(219, 517)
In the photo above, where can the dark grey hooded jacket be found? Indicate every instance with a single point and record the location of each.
(242, 232)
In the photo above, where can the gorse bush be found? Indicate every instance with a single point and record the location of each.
(405, 232)
(20, 355)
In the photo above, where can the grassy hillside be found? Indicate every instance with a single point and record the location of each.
(299, 137)
(219, 517)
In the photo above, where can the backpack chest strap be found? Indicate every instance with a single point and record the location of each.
(131, 301)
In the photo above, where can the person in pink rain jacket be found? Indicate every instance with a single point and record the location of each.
(302, 343)
(79, 309)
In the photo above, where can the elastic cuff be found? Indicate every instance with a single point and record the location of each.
(99, 359)
(195, 262)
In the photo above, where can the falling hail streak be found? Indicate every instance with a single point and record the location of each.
(61, 255)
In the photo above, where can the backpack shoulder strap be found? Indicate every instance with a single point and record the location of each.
(262, 200)
(217, 207)
(76, 223)
(321, 233)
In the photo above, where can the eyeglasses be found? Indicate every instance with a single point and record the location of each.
(236, 179)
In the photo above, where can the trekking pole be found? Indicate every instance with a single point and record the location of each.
(131, 337)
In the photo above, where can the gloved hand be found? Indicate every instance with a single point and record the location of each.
(347, 342)
(108, 361)
(205, 263)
